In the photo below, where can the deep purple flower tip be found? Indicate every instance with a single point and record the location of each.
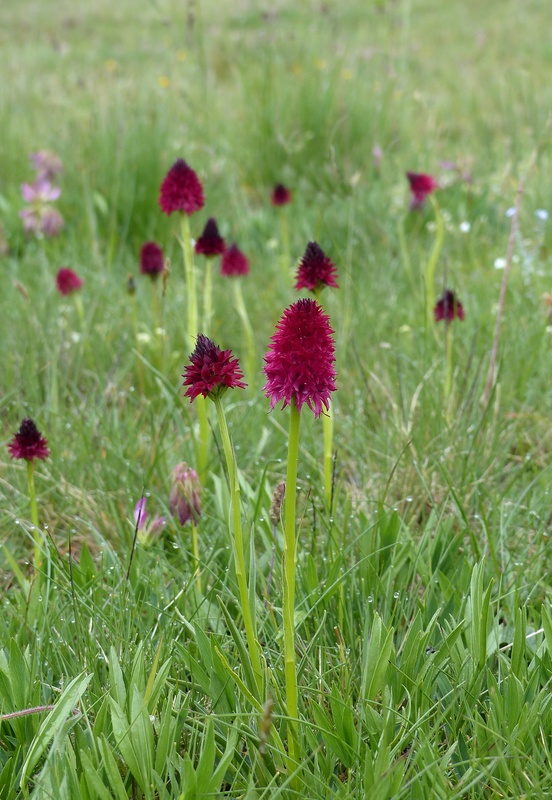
(181, 190)
(212, 371)
(140, 513)
(210, 243)
(299, 362)
(448, 307)
(421, 186)
(234, 262)
(28, 443)
(281, 196)
(185, 499)
(152, 262)
(315, 270)
(68, 281)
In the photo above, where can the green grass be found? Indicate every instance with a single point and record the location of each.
(423, 622)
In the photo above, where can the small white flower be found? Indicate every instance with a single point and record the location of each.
(542, 213)
(143, 338)
(510, 212)
(465, 227)
(499, 263)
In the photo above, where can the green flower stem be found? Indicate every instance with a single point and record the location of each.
(191, 291)
(237, 544)
(242, 312)
(134, 305)
(34, 515)
(195, 549)
(448, 375)
(404, 252)
(290, 563)
(204, 438)
(328, 424)
(432, 263)
(208, 297)
(284, 226)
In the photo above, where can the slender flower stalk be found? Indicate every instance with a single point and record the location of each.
(210, 244)
(211, 373)
(131, 289)
(315, 273)
(235, 265)
(447, 309)
(281, 198)
(28, 444)
(434, 257)
(299, 371)
(238, 545)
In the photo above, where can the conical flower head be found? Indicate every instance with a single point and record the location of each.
(315, 270)
(68, 281)
(421, 185)
(281, 196)
(185, 499)
(448, 307)
(152, 261)
(299, 364)
(181, 190)
(234, 262)
(210, 243)
(28, 443)
(212, 371)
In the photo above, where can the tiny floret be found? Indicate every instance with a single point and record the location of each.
(68, 281)
(152, 262)
(181, 190)
(210, 243)
(299, 364)
(448, 307)
(212, 371)
(315, 270)
(28, 443)
(281, 196)
(421, 186)
(234, 262)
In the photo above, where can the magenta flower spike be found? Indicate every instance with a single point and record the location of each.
(281, 196)
(28, 443)
(421, 185)
(181, 190)
(234, 262)
(299, 364)
(448, 308)
(48, 166)
(316, 271)
(185, 499)
(210, 243)
(152, 261)
(212, 371)
(41, 191)
(68, 281)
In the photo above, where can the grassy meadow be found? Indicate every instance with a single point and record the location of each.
(423, 625)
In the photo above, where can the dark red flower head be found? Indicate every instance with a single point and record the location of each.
(210, 243)
(420, 185)
(234, 262)
(280, 195)
(212, 371)
(67, 281)
(299, 362)
(448, 307)
(28, 443)
(152, 261)
(315, 270)
(181, 190)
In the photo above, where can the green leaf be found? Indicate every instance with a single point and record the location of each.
(55, 720)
